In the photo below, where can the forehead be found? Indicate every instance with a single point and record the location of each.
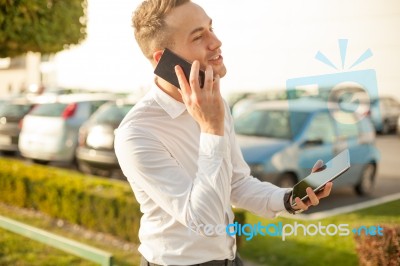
(187, 17)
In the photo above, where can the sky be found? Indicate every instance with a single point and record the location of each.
(264, 43)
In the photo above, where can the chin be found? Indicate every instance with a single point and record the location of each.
(221, 71)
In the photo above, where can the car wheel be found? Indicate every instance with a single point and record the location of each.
(286, 180)
(385, 128)
(9, 153)
(84, 168)
(103, 172)
(118, 174)
(42, 162)
(367, 179)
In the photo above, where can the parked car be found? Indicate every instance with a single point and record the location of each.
(95, 153)
(281, 141)
(398, 126)
(241, 105)
(50, 131)
(11, 115)
(385, 112)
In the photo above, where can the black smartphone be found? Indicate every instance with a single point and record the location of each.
(328, 172)
(166, 68)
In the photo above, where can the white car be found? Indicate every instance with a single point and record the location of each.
(50, 131)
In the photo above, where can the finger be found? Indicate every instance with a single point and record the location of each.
(216, 85)
(326, 191)
(317, 165)
(300, 204)
(194, 77)
(312, 196)
(183, 83)
(208, 79)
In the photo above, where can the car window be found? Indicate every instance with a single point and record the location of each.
(15, 110)
(95, 105)
(321, 128)
(111, 113)
(270, 123)
(49, 109)
(247, 123)
(346, 124)
(83, 111)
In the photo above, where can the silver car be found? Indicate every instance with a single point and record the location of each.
(95, 153)
(11, 115)
(50, 131)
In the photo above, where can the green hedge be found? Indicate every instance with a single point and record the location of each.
(99, 204)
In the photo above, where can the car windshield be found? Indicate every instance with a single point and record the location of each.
(279, 124)
(111, 113)
(49, 109)
(14, 110)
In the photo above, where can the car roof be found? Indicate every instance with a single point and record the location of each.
(77, 97)
(300, 105)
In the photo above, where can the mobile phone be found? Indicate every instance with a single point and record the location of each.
(328, 172)
(166, 68)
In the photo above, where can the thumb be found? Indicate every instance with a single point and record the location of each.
(317, 165)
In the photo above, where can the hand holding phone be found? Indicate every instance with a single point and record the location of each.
(318, 179)
(206, 105)
(166, 68)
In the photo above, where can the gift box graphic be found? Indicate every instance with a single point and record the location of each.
(343, 92)
(350, 91)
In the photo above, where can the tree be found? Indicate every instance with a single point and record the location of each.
(45, 26)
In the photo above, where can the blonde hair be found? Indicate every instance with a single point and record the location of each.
(151, 31)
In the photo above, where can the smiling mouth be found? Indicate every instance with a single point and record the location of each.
(215, 58)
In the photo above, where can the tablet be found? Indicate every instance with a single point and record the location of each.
(328, 172)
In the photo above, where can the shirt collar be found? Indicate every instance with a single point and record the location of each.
(173, 107)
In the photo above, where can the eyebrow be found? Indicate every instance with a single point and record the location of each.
(199, 29)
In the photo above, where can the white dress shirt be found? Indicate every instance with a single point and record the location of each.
(185, 180)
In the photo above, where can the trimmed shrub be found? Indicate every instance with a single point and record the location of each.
(98, 204)
(380, 250)
(103, 205)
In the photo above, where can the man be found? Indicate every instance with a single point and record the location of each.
(177, 148)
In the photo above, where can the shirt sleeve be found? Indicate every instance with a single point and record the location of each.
(261, 198)
(192, 201)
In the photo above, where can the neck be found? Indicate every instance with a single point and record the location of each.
(169, 89)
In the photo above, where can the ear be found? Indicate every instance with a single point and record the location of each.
(157, 55)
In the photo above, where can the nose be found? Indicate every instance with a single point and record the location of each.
(215, 43)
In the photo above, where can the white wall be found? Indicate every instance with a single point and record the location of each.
(13, 80)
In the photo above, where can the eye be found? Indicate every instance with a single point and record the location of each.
(211, 29)
(197, 37)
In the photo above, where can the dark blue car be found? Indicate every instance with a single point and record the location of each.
(282, 140)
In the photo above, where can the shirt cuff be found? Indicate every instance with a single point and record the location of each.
(211, 145)
(276, 203)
